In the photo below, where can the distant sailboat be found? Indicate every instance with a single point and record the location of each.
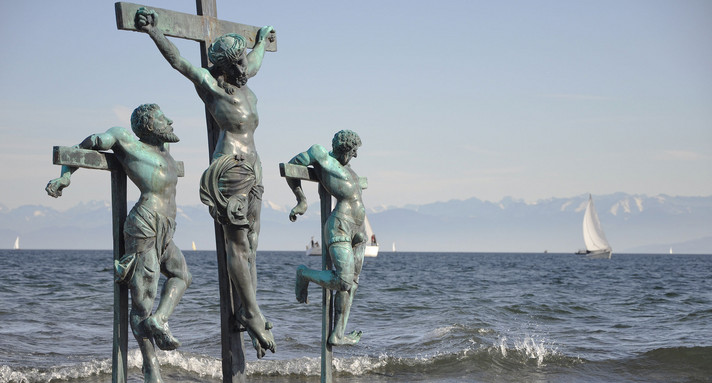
(194, 248)
(596, 243)
(670, 249)
(16, 246)
(394, 247)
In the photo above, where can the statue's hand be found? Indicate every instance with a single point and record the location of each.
(55, 186)
(145, 19)
(300, 209)
(267, 32)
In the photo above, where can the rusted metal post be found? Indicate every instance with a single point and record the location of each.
(121, 291)
(327, 300)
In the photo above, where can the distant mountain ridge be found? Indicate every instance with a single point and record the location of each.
(633, 223)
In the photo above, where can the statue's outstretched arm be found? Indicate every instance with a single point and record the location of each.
(146, 21)
(103, 141)
(296, 186)
(254, 58)
(311, 157)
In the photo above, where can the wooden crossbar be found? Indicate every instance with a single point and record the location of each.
(92, 159)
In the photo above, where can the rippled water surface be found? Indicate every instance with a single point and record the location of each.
(426, 317)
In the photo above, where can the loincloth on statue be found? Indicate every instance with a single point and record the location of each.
(144, 231)
(232, 189)
(342, 228)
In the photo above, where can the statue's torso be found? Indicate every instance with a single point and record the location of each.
(236, 116)
(155, 173)
(343, 183)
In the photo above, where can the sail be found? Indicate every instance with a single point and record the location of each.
(16, 246)
(593, 235)
(369, 232)
(371, 249)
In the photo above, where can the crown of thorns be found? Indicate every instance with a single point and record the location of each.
(226, 48)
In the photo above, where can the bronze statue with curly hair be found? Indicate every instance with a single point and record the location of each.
(345, 235)
(232, 185)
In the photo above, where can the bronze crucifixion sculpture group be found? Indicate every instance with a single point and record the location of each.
(231, 187)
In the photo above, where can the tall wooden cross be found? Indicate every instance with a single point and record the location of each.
(327, 300)
(92, 159)
(204, 28)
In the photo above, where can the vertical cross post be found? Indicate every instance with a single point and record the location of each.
(232, 345)
(92, 159)
(204, 28)
(121, 291)
(327, 299)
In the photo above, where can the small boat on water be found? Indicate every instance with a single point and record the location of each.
(371, 250)
(313, 248)
(597, 246)
(16, 245)
(194, 248)
(372, 245)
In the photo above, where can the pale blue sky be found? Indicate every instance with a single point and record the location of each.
(452, 99)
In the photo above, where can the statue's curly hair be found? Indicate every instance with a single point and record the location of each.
(345, 140)
(141, 118)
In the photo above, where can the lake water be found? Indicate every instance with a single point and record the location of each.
(425, 317)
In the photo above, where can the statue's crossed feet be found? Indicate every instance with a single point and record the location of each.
(302, 286)
(259, 330)
(161, 334)
(351, 338)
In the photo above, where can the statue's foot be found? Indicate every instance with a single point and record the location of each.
(259, 330)
(351, 338)
(302, 286)
(161, 334)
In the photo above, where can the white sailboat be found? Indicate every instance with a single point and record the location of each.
(394, 247)
(16, 246)
(194, 248)
(372, 245)
(596, 243)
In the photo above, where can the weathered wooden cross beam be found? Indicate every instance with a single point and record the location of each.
(205, 28)
(327, 302)
(92, 159)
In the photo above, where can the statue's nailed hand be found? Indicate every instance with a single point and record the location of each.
(300, 209)
(55, 186)
(266, 32)
(145, 19)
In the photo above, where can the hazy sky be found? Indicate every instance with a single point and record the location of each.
(452, 99)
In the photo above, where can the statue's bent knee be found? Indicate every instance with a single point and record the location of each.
(345, 285)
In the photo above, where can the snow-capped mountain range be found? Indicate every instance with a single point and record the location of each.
(633, 223)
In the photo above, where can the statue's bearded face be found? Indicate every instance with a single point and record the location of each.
(236, 70)
(347, 155)
(162, 128)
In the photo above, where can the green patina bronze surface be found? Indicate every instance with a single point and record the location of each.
(148, 230)
(344, 235)
(232, 186)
